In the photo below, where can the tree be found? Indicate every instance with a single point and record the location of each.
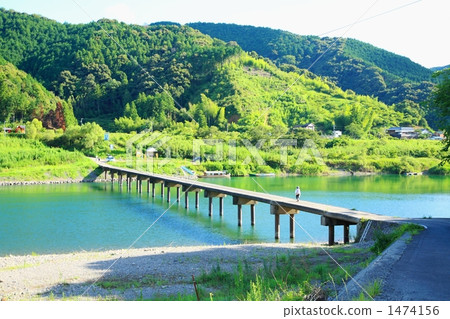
(33, 129)
(131, 111)
(441, 102)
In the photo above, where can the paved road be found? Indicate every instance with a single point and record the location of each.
(423, 271)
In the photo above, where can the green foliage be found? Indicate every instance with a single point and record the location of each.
(89, 66)
(282, 277)
(86, 138)
(33, 129)
(187, 75)
(207, 113)
(127, 124)
(351, 64)
(373, 290)
(384, 240)
(26, 159)
(441, 103)
(22, 98)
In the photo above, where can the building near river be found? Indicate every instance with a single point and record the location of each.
(402, 132)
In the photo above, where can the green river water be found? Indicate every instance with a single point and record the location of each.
(99, 216)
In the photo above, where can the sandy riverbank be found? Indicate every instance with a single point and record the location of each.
(160, 271)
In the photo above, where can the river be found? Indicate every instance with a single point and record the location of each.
(98, 216)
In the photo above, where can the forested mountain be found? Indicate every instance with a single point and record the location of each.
(438, 68)
(350, 63)
(22, 98)
(156, 75)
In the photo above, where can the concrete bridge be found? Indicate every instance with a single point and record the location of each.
(331, 216)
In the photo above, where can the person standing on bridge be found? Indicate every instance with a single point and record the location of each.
(298, 193)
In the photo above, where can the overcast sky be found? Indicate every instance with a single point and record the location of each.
(417, 29)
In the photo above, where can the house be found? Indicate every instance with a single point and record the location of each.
(20, 129)
(336, 134)
(402, 132)
(151, 152)
(437, 136)
(309, 126)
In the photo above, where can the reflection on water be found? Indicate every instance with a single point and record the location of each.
(69, 217)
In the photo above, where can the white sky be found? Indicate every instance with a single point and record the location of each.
(417, 29)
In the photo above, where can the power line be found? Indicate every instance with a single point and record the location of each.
(371, 17)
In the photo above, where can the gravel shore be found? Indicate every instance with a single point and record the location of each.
(166, 270)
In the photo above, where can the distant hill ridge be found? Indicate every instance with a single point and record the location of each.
(111, 70)
(350, 63)
(438, 68)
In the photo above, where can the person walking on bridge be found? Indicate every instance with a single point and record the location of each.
(298, 193)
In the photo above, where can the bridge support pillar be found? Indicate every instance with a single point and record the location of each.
(112, 176)
(330, 222)
(186, 189)
(148, 186)
(153, 189)
(211, 195)
(130, 180)
(139, 186)
(221, 206)
(277, 210)
(346, 233)
(330, 235)
(172, 184)
(252, 214)
(277, 226)
(197, 199)
(239, 201)
(210, 206)
(162, 190)
(239, 211)
(120, 180)
(292, 226)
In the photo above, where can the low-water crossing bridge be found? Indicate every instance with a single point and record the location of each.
(331, 216)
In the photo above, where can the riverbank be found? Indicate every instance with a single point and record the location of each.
(53, 182)
(165, 273)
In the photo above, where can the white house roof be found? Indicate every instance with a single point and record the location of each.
(402, 129)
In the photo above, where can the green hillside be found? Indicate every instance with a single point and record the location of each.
(256, 91)
(185, 86)
(22, 98)
(438, 68)
(110, 70)
(351, 64)
(102, 66)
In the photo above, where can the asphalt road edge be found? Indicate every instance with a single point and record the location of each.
(378, 269)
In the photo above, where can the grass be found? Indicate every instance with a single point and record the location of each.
(124, 284)
(25, 265)
(384, 240)
(284, 277)
(29, 160)
(373, 290)
(24, 159)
